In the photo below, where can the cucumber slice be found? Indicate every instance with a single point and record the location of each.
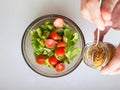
(48, 64)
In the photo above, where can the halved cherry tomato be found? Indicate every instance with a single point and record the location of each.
(40, 59)
(61, 44)
(60, 67)
(53, 60)
(54, 35)
(50, 43)
(58, 23)
(60, 51)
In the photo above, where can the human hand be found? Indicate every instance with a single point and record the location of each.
(113, 66)
(102, 19)
(99, 16)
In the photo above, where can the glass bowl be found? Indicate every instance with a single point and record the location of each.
(28, 54)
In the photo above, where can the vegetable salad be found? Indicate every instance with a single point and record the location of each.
(53, 44)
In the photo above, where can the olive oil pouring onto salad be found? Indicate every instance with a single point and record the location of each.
(53, 44)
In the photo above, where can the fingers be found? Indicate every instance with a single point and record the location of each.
(84, 10)
(90, 10)
(116, 17)
(102, 33)
(106, 10)
(100, 17)
(114, 65)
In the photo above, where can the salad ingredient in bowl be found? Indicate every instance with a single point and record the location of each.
(53, 44)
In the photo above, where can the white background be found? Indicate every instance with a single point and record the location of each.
(15, 16)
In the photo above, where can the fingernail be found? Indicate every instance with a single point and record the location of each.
(101, 28)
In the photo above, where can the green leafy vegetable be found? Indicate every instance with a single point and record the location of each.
(60, 58)
(47, 23)
(75, 38)
(60, 32)
(39, 32)
(47, 26)
(67, 35)
(72, 53)
(36, 47)
(33, 34)
(71, 40)
(50, 27)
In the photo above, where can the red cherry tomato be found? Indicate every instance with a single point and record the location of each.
(61, 44)
(50, 43)
(53, 61)
(40, 59)
(54, 35)
(60, 51)
(58, 23)
(60, 67)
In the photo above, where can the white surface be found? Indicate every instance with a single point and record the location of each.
(15, 16)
